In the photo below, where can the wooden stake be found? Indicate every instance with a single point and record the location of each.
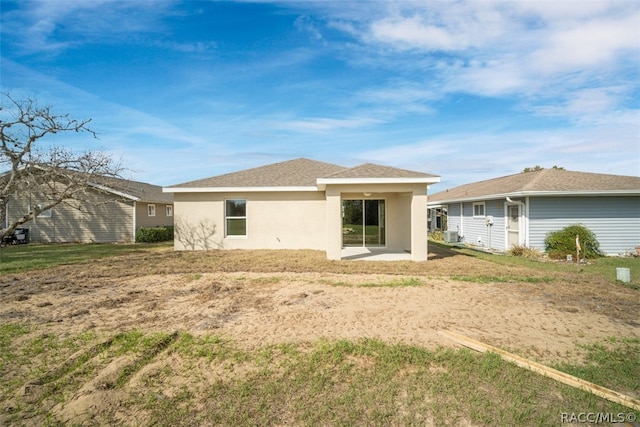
(562, 377)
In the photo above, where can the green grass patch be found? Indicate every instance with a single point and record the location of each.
(502, 279)
(209, 380)
(614, 364)
(602, 268)
(19, 258)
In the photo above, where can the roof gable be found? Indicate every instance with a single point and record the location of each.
(143, 191)
(370, 170)
(541, 182)
(301, 174)
(292, 173)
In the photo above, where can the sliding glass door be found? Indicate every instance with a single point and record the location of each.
(363, 222)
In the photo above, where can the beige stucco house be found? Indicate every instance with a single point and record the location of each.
(305, 204)
(105, 215)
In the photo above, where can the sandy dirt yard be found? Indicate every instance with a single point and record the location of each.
(540, 320)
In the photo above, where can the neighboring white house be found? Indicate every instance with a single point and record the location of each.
(106, 215)
(305, 204)
(522, 209)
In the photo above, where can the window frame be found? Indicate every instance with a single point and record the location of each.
(151, 210)
(168, 210)
(228, 217)
(48, 213)
(479, 204)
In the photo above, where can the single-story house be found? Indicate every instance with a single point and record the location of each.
(522, 209)
(305, 204)
(105, 215)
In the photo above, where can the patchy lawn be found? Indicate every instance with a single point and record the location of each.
(149, 336)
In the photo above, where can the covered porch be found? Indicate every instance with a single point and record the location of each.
(393, 224)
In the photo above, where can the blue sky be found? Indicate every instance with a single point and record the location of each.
(469, 90)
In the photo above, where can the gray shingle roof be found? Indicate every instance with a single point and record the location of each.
(545, 180)
(146, 192)
(297, 173)
(370, 170)
(292, 173)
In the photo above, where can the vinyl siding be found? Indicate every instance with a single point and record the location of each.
(161, 219)
(474, 229)
(453, 218)
(614, 220)
(102, 220)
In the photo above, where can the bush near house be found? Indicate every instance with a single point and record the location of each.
(559, 244)
(525, 252)
(154, 234)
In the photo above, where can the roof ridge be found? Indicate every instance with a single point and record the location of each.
(538, 176)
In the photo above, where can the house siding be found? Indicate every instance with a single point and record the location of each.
(278, 220)
(453, 218)
(101, 220)
(615, 220)
(474, 230)
(160, 220)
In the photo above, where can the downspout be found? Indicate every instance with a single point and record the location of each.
(461, 231)
(134, 221)
(526, 221)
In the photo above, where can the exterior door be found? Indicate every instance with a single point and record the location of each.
(513, 225)
(363, 223)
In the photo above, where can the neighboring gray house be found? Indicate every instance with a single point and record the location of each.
(108, 215)
(522, 209)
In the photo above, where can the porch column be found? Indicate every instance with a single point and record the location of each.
(334, 224)
(419, 227)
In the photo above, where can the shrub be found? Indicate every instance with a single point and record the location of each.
(525, 252)
(154, 234)
(437, 235)
(559, 244)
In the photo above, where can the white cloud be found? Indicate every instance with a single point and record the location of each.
(81, 21)
(501, 48)
(596, 43)
(322, 124)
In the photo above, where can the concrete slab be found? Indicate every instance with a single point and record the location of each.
(374, 254)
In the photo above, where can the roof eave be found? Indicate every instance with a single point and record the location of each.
(238, 189)
(115, 192)
(323, 182)
(538, 194)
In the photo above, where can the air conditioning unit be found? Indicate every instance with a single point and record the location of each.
(451, 236)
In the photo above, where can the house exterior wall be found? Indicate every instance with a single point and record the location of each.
(160, 220)
(275, 220)
(615, 220)
(299, 219)
(101, 219)
(474, 230)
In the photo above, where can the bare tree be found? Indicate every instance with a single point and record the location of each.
(55, 174)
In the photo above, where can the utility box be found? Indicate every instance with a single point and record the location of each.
(623, 274)
(451, 236)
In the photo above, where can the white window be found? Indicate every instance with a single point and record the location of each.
(151, 210)
(478, 209)
(43, 214)
(235, 213)
(169, 210)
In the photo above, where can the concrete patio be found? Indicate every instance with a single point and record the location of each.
(373, 254)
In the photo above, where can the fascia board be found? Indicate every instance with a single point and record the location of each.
(115, 192)
(237, 189)
(598, 193)
(337, 181)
